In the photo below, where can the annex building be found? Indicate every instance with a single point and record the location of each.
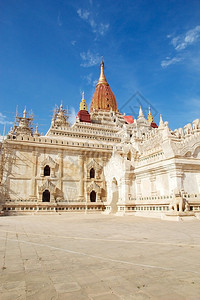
(105, 161)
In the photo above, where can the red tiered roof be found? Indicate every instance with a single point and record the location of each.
(84, 116)
(128, 119)
(154, 125)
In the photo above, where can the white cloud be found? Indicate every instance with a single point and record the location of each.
(90, 81)
(103, 28)
(180, 42)
(170, 61)
(73, 43)
(72, 115)
(89, 59)
(3, 120)
(88, 78)
(87, 16)
(83, 14)
(94, 83)
(93, 25)
(100, 29)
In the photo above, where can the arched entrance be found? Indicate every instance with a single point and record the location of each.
(46, 196)
(93, 196)
(115, 196)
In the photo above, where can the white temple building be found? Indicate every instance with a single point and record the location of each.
(105, 161)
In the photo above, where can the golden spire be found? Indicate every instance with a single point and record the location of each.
(102, 78)
(150, 118)
(83, 105)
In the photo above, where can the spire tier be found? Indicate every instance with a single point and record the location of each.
(103, 98)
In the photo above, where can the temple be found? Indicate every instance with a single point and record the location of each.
(105, 162)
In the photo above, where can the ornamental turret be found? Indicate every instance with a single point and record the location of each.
(23, 125)
(36, 133)
(150, 119)
(60, 117)
(83, 114)
(60, 120)
(141, 115)
(83, 105)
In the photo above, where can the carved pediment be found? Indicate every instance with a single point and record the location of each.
(94, 164)
(94, 187)
(48, 185)
(48, 161)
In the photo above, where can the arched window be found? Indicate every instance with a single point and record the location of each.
(46, 196)
(92, 173)
(46, 170)
(93, 196)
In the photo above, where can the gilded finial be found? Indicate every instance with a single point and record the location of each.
(83, 105)
(102, 78)
(150, 118)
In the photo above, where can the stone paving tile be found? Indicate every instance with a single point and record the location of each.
(79, 295)
(42, 294)
(107, 296)
(93, 288)
(12, 295)
(98, 257)
(61, 277)
(64, 287)
(12, 286)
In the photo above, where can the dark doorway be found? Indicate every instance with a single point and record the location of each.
(92, 173)
(93, 196)
(47, 171)
(46, 196)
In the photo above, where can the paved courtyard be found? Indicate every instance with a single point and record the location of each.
(98, 257)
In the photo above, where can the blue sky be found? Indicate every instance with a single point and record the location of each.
(50, 52)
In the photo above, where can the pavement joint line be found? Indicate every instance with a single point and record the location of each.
(103, 240)
(99, 257)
